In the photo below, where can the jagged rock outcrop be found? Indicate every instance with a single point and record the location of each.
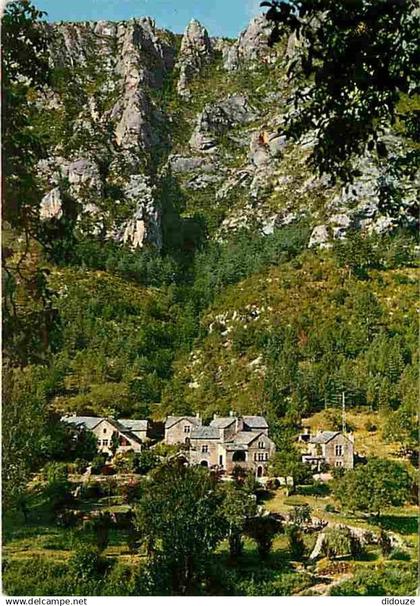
(196, 51)
(115, 68)
(252, 45)
(51, 205)
(144, 226)
(126, 115)
(217, 118)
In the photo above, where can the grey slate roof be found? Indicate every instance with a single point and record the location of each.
(134, 424)
(170, 421)
(255, 422)
(204, 433)
(222, 422)
(323, 437)
(88, 422)
(245, 437)
(92, 422)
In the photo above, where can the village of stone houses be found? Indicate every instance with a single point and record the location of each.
(210, 298)
(284, 512)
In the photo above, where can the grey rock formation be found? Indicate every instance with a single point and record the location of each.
(217, 118)
(51, 205)
(185, 164)
(144, 226)
(115, 131)
(196, 51)
(320, 237)
(230, 156)
(83, 173)
(251, 45)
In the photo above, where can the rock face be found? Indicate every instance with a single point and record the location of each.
(145, 223)
(251, 45)
(115, 68)
(218, 118)
(51, 205)
(124, 118)
(196, 51)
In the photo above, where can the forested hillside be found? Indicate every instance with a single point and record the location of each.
(169, 250)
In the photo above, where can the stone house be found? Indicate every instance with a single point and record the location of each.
(225, 443)
(178, 429)
(251, 450)
(131, 433)
(334, 448)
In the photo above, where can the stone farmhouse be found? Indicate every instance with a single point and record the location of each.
(332, 447)
(225, 443)
(131, 433)
(178, 429)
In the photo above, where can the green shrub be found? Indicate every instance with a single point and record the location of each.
(86, 563)
(340, 542)
(98, 462)
(399, 554)
(395, 579)
(295, 542)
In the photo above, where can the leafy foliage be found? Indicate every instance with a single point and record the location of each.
(263, 529)
(237, 506)
(23, 426)
(179, 520)
(341, 542)
(382, 580)
(374, 486)
(25, 71)
(360, 57)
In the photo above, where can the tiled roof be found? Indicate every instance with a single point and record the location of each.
(170, 421)
(255, 422)
(88, 422)
(92, 422)
(245, 437)
(323, 437)
(222, 422)
(204, 433)
(134, 424)
(124, 431)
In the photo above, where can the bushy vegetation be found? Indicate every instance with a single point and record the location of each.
(381, 580)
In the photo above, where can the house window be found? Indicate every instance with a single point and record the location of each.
(104, 430)
(339, 451)
(266, 456)
(187, 429)
(204, 448)
(339, 463)
(261, 445)
(104, 442)
(220, 459)
(261, 456)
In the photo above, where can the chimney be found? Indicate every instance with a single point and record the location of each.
(215, 416)
(306, 431)
(231, 413)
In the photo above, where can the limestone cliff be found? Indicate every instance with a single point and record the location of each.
(132, 105)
